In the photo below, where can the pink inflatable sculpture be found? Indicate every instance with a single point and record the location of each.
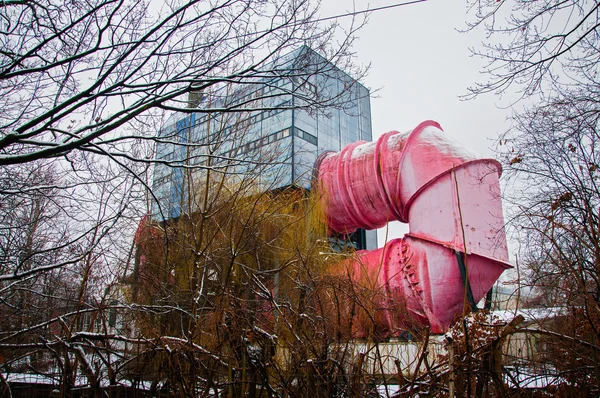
(450, 199)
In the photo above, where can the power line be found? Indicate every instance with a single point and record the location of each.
(349, 14)
(354, 13)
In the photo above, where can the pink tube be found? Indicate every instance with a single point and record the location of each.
(451, 201)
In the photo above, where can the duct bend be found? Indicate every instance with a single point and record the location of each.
(451, 201)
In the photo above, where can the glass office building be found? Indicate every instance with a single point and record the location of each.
(276, 137)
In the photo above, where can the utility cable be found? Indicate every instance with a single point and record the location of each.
(354, 13)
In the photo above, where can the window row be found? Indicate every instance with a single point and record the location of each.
(304, 85)
(240, 124)
(256, 144)
(305, 136)
(267, 88)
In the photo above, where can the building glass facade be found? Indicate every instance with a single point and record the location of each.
(276, 133)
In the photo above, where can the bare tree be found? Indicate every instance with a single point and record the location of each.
(58, 241)
(549, 51)
(77, 75)
(84, 88)
(242, 282)
(551, 157)
(535, 46)
(87, 84)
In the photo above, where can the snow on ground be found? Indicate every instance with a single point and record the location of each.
(529, 378)
(531, 314)
(391, 390)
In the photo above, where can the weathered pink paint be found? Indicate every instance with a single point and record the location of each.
(451, 201)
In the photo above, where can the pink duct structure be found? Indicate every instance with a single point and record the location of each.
(450, 199)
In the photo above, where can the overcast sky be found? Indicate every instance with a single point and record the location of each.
(420, 65)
